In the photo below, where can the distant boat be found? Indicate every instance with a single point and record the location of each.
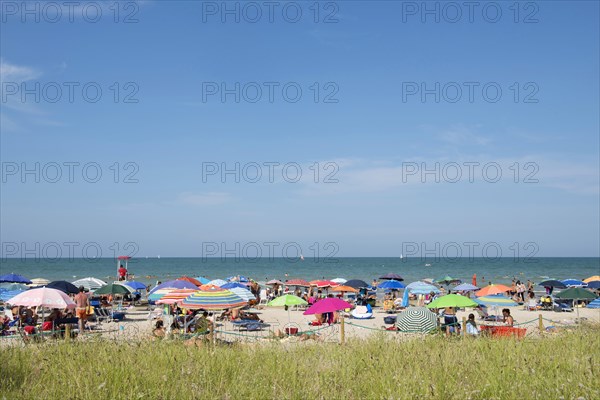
(158, 256)
(428, 265)
(301, 257)
(401, 256)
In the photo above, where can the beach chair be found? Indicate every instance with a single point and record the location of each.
(263, 298)
(362, 312)
(531, 305)
(562, 307)
(103, 314)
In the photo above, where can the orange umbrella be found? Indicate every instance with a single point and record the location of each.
(191, 280)
(344, 289)
(592, 278)
(492, 289)
(209, 287)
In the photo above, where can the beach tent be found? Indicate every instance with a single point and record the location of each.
(416, 320)
(16, 278)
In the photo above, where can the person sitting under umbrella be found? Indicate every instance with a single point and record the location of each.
(508, 319)
(471, 326)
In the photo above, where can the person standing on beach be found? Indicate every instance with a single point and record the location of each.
(82, 302)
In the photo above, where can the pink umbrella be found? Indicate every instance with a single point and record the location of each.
(327, 305)
(42, 297)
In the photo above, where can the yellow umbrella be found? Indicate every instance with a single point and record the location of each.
(592, 278)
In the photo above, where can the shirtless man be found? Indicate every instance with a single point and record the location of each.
(81, 302)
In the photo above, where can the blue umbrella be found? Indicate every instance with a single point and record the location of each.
(391, 284)
(595, 303)
(135, 285)
(594, 285)
(16, 278)
(574, 282)
(465, 287)
(232, 285)
(405, 299)
(9, 294)
(202, 280)
(422, 288)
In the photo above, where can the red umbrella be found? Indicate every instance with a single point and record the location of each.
(297, 282)
(327, 305)
(190, 280)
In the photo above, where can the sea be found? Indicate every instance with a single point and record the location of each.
(151, 270)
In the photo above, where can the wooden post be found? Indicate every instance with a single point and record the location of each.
(67, 331)
(342, 328)
(541, 323)
(464, 326)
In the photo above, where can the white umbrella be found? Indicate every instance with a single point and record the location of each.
(341, 281)
(90, 283)
(217, 282)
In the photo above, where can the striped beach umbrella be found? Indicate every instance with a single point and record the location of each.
(90, 283)
(175, 284)
(297, 282)
(244, 293)
(160, 293)
(416, 319)
(214, 299)
(175, 296)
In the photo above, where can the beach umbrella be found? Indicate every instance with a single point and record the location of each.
(405, 298)
(89, 283)
(393, 276)
(594, 304)
(323, 283)
(492, 289)
(287, 300)
(592, 278)
(208, 286)
(39, 282)
(231, 285)
(327, 305)
(574, 283)
(202, 280)
(391, 284)
(421, 288)
(13, 286)
(135, 285)
(160, 293)
(357, 283)
(344, 289)
(175, 284)
(552, 283)
(274, 282)
(452, 300)
(213, 299)
(465, 287)
(63, 286)
(114, 288)
(341, 281)
(496, 300)
(593, 284)
(447, 280)
(244, 293)
(217, 282)
(575, 293)
(237, 278)
(42, 297)
(416, 319)
(16, 278)
(8, 294)
(190, 280)
(297, 282)
(175, 295)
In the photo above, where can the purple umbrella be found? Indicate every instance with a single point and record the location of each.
(176, 284)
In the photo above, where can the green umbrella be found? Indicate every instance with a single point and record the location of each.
(575, 293)
(447, 280)
(287, 300)
(452, 300)
(113, 288)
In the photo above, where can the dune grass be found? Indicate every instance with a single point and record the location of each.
(561, 366)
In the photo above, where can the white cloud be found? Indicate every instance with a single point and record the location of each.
(17, 73)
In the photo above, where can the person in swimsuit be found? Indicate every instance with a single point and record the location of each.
(81, 302)
(450, 321)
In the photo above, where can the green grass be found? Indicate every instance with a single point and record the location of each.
(566, 365)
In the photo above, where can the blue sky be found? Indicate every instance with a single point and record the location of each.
(370, 135)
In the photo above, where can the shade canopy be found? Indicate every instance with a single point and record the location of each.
(287, 300)
(492, 289)
(63, 286)
(575, 293)
(393, 276)
(16, 278)
(214, 299)
(357, 283)
(452, 300)
(42, 297)
(416, 319)
(391, 284)
(113, 288)
(329, 304)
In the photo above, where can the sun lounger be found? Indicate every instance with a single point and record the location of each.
(562, 307)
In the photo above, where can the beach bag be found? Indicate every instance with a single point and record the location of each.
(389, 320)
(89, 310)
